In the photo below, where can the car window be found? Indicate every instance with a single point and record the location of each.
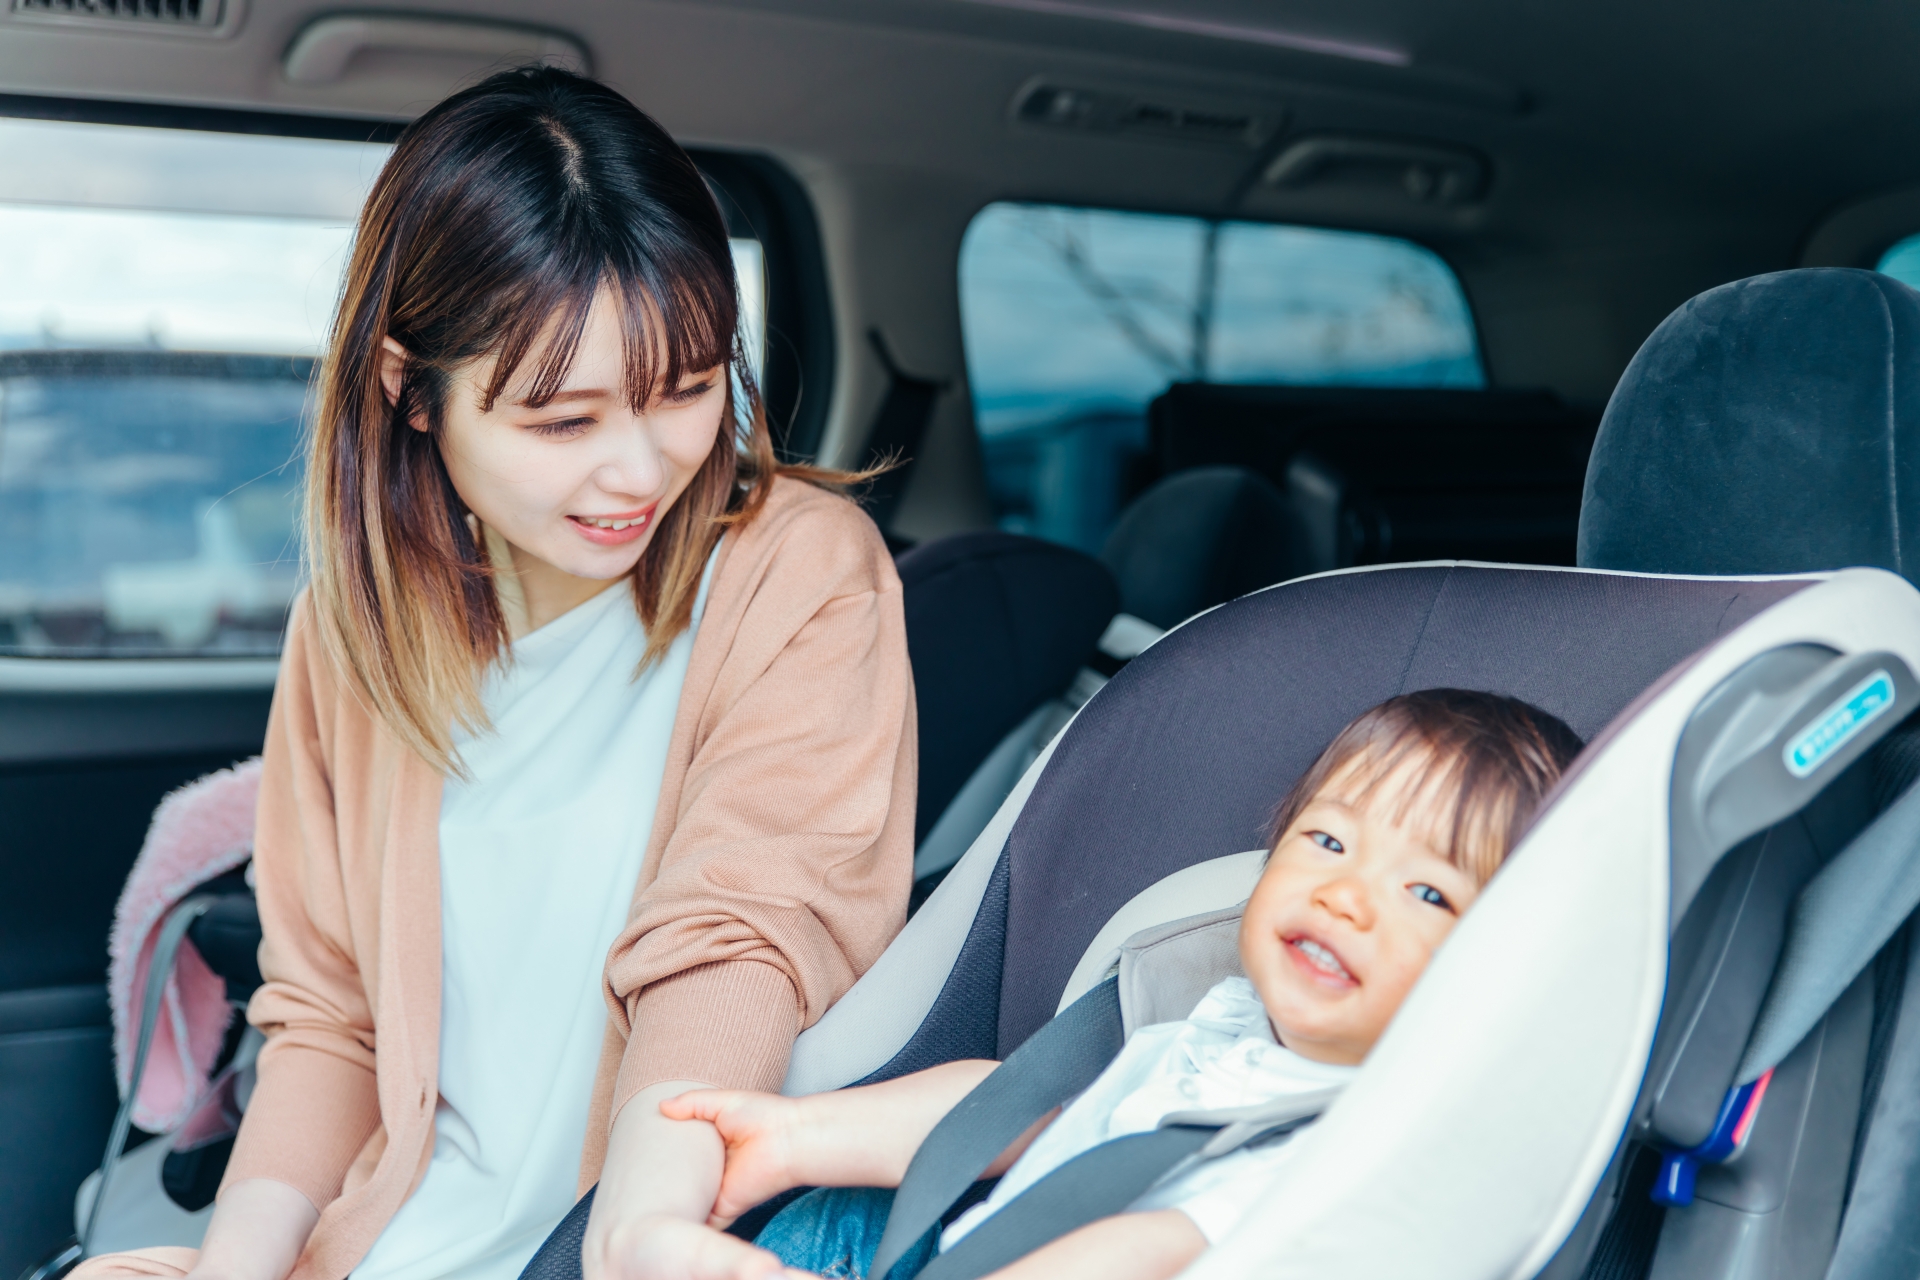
(164, 296)
(1902, 262)
(1074, 319)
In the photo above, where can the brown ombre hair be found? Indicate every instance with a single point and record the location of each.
(501, 215)
(1481, 764)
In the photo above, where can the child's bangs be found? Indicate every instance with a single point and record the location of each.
(1463, 808)
(669, 329)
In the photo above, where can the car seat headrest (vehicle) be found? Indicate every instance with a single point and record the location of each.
(1771, 425)
(1202, 537)
(996, 625)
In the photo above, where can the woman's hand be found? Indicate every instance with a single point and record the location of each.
(258, 1229)
(657, 1190)
(762, 1133)
(663, 1247)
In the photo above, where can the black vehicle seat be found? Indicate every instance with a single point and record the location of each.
(998, 627)
(1434, 474)
(1772, 425)
(1209, 535)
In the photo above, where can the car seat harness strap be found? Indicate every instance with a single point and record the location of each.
(1106, 1179)
(1058, 1061)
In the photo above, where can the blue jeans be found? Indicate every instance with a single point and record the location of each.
(835, 1231)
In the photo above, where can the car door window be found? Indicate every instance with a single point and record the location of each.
(1074, 319)
(164, 297)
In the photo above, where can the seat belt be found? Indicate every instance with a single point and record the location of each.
(1057, 1061)
(899, 427)
(1104, 1180)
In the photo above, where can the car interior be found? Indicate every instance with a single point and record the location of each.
(1155, 306)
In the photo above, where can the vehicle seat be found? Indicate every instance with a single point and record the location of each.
(1772, 425)
(1206, 536)
(997, 626)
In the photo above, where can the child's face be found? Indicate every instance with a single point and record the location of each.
(1350, 908)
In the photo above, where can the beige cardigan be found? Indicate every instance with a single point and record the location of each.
(777, 871)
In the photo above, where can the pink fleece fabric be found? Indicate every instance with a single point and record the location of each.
(200, 831)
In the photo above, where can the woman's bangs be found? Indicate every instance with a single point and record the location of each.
(667, 333)
(673, 329)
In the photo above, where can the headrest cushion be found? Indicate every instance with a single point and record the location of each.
(1771, 425)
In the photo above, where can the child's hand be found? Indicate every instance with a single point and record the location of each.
(759, 1130)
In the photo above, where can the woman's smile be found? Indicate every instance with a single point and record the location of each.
(617, 529)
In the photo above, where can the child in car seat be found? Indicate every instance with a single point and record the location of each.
(1374, 855)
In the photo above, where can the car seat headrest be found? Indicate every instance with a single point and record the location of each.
(1771, 425)
(1202, 537)
(996, 625)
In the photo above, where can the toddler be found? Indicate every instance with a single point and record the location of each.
(1375, 854)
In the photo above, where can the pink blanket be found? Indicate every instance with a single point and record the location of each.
(200, 831)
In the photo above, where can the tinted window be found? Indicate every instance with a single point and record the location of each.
(1075, 318)
(163, 297)
(1902, 262)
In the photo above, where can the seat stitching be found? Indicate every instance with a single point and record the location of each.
(1413, 652)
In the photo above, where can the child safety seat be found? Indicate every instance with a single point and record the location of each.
(1484, 1136)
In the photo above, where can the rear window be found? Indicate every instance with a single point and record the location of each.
(1074, 319)
(164, 296)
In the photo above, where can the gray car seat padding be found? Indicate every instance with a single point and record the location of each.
(1769, 425)
(1219, 884)
(1840, 922)
(1184, 755)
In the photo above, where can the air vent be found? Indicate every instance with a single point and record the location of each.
(1173, 118)
(203, 16)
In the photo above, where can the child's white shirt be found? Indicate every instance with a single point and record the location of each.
(1222, 1055)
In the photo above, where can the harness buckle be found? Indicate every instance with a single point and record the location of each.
(1679, 1167)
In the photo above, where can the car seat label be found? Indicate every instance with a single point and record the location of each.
(1833, 728)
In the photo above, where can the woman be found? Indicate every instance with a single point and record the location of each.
(535, 851)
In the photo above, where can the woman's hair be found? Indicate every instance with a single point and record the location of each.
(1480, 765)
(500, 216)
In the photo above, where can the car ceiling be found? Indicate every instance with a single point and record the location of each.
(1640, 151)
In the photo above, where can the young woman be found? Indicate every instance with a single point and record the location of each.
(590, 773)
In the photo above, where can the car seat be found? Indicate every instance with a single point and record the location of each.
(1771, 425)
(1151, 805)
